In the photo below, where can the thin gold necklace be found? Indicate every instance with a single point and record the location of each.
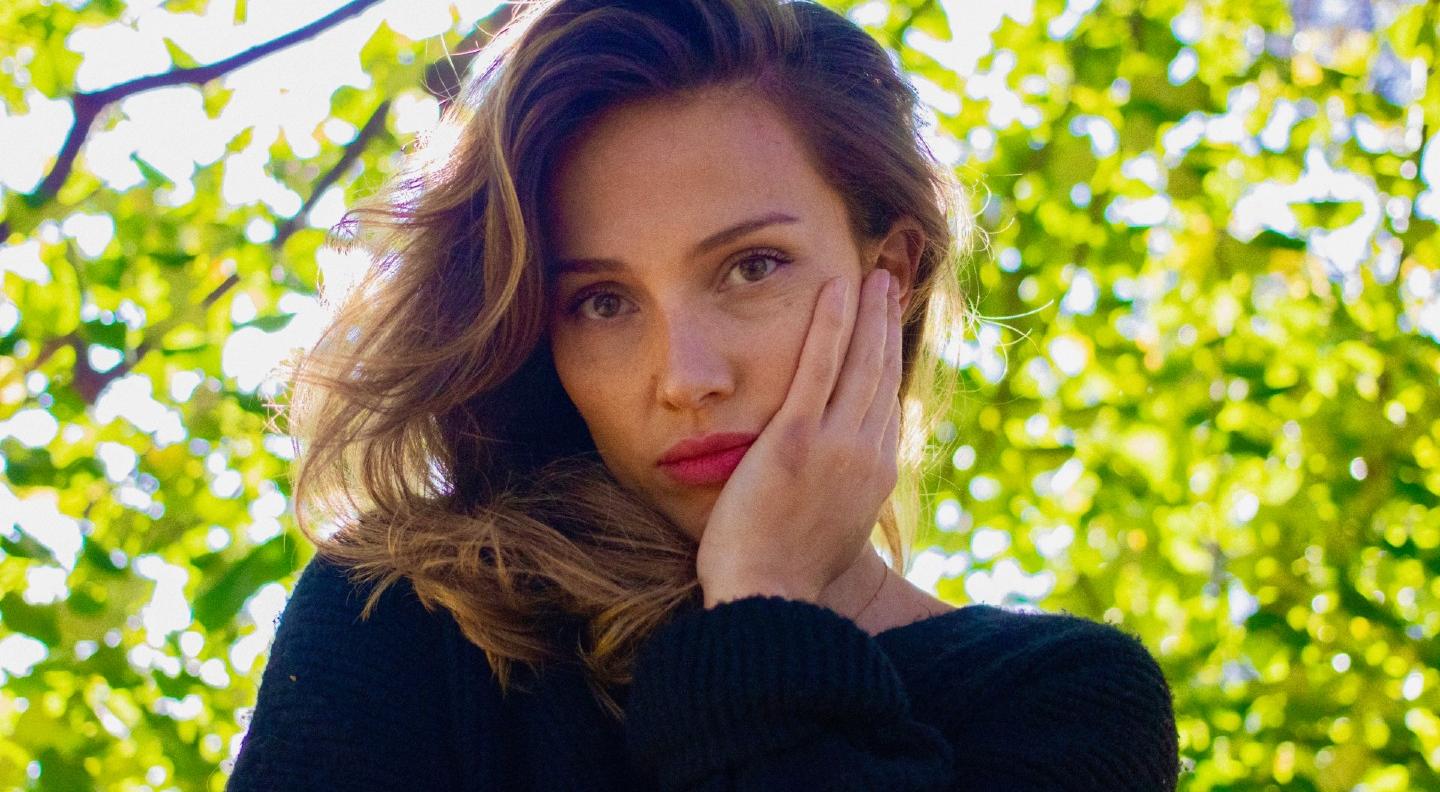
(883, 578)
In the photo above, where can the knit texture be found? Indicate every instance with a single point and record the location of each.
(763, 691)
(757, 693)
(1040, 701)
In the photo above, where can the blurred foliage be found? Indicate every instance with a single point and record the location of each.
(1201, 404)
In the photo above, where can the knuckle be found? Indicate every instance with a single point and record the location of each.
(853, 455)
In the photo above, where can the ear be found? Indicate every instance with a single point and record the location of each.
(898, 252)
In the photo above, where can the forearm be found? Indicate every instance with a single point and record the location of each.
(766, 693)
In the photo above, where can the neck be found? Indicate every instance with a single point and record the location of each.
(877, 601)
(857, 592)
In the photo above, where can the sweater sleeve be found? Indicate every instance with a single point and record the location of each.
(344, 703)
(1098, 712)
(765, 692)
(1042, 701)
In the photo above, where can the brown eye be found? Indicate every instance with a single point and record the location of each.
(759, 265)
(607, 305)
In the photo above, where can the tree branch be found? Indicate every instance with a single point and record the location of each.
(349, 155)
(86, 106)
(352, 152)
(897, 37)
(88, 382)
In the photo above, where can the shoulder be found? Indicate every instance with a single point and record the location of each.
(1075, 693)
(328, 653)
(1021, 643)
(1062, 656)
(1052, 642)
(325, 612)
(346, 700)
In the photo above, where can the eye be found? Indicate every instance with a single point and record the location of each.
(760, 264)
(607, 304)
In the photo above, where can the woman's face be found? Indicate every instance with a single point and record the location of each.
(696, 236)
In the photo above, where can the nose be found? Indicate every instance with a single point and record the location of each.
(695, 369)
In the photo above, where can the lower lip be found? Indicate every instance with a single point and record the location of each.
(709, 469)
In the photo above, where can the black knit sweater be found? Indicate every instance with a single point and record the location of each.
(755, 694)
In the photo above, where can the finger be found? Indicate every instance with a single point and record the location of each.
(819, 363)
(887, 389)
(890, 448)
(865, 357)
(889, 439)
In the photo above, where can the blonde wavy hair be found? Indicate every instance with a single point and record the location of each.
(433, 439)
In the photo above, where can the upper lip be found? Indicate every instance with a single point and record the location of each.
(706, 444)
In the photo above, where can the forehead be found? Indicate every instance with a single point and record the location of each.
(658, 175)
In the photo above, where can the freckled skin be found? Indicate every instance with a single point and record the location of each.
(688, 345)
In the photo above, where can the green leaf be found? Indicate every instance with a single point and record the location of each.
(111, 334)
(37, 621)
(218, 602)
(1327, 214)
(62, 773)
(242, 140)
(52, 71)
(153, 178)
(1404, 34)
(270, 324)
(29, 466)
(179, 57)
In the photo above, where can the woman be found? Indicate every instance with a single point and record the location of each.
(601, 440)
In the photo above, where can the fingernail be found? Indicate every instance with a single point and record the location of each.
(894, 286)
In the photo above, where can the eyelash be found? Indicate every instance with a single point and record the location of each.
(759, 254)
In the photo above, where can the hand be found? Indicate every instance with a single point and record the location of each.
(799, 508)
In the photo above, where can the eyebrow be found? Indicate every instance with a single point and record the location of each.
(740, 229)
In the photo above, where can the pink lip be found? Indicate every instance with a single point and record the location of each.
(707, 469)
(709, 459)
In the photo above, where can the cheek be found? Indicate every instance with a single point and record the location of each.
(607, 377)
(596, 388)
(777, 342)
